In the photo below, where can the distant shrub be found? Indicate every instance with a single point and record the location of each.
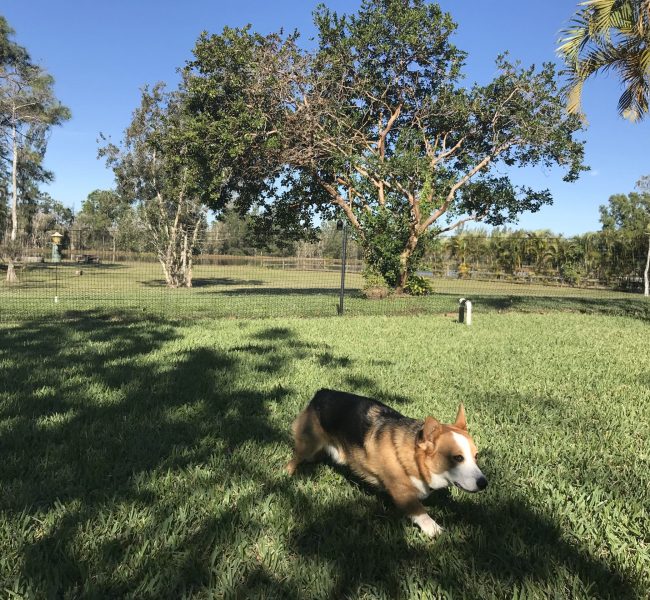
(572, 274)
(418, 286)
(375, 286)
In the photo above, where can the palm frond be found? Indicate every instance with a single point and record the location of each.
(574, 98)
(609, 35)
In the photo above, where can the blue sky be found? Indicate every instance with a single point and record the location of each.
(102, 53)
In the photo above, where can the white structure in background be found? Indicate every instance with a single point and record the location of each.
(465, 311)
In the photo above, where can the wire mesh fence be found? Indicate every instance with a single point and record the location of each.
(107, 280)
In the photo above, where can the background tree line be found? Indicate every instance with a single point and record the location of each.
(614, 256)
(372, 125)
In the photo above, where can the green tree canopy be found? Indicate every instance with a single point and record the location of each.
(101, 209)
(181, 157)
(628, 213)
(376, 124)
(159, 168)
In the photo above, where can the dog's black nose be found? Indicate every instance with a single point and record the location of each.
(481, 483)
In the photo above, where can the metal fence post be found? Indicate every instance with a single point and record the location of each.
(340, 225)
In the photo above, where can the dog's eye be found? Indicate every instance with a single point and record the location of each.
(459, 458)
(476, 456)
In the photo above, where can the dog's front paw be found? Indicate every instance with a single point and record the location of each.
(427, 525)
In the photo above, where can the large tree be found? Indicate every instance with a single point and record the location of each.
(156, 169)
(200, 147)
(610, 35)
(376, 125)
(28, 110)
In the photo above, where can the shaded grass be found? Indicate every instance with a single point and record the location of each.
(144, 459)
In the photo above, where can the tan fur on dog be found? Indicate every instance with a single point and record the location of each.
(408, 458)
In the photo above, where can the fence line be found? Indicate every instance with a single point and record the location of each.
(102, 280)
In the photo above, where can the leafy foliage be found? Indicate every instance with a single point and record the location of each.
(375, 124)
(610, 35)
(47, 215)
(418, 286)
(161, 168)
(385, 236)
(28, 110)
(627, 213)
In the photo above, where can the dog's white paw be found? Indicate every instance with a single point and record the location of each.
(427, 525)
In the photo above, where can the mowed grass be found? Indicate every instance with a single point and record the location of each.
(145, 458)
(257, 292)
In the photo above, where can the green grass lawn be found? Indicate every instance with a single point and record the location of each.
(257, 292)
(144, 458)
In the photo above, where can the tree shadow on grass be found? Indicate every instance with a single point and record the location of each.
(85, 411)
(490, 548)
(284, 291)
(96, 410)
(95, 443)
(361, 384)
(634, 306)
(487, 550)
(200, 282)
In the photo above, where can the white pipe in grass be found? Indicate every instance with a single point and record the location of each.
(465, 311)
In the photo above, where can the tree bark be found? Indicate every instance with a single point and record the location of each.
(163, 264)
(12, 277)
(11, 272)
(646, 290)
(404, 260)
(176, 259)
(186, 262)
(14, 183)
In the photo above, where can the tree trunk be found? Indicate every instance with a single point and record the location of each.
(404, 261)
(176, 261)
(646, 287)
(14, 184)
(12, 277)
(11, 273)
(163, 264)
(187, 261)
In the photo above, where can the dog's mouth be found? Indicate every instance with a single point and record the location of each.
(460, 487)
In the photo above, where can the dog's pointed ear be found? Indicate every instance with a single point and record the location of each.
(461, 422)
(428, 432)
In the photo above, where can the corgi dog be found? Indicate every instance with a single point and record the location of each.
(406, 457)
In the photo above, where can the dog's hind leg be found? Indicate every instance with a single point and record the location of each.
(309, 439)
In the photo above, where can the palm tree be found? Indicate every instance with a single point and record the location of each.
(610, 35)
(552, 257)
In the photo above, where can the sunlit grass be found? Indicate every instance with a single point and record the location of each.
(256, 291)
(144, 459)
